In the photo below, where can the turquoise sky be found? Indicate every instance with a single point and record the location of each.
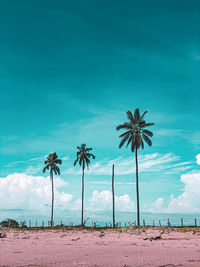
(69, 71)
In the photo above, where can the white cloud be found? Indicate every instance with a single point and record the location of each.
(189, 200)
(165, 163)
(103, 201)
(19, 190)
(198, 159)
(157, 206)
(65, 158)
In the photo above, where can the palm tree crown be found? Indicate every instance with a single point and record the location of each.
(51, 162)
(136, 131)
(83, 156)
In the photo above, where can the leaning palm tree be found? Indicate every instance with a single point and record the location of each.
(83, 156)
(135, 134)
(50, 163)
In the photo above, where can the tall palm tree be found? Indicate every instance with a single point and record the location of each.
(50, 163)
(83, 156)
(135, 134)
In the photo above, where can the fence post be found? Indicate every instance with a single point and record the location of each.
(36, 223)
(153, 224)
(113, 195)
(195, 222)
(9, 223)
(182, 222)
(160, 223)
(29, 223)
(168, 223)
(42, 223)
(143, 222)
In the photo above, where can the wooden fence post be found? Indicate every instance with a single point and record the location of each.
(195, 222)
(160, 223)
(168, 223)
(113, 195)
(182, 222)
(36, 223)
(143, 222)
(153, 224)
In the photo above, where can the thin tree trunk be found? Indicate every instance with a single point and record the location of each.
(82, 196)
(52, 204)
(137, 189)
(113, 195)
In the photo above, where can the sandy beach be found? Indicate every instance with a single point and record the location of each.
(125, 247)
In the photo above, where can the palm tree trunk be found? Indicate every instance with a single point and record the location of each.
(137, 189)
(52, 204)
(113, 196)
(82, 196)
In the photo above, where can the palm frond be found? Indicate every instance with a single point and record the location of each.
(143, 115)
(130, 116)
(137, 114)
(124, 139)
(142, 143)
(56, 169)
(76, 161)
(147, 139)
(129, 140)
(45, 168)
(93, 156)
(58, 161)
(147, 132)
(127, 132)
(87, 162)
(146, 125)
(133, 145)
(88, 149)
(126, 125)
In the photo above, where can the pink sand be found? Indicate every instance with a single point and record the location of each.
(93, 248)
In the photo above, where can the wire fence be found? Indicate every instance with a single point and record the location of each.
(154, 223)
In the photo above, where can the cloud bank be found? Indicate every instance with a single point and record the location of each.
(22, 191)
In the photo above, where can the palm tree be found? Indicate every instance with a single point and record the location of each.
(135, 134)
(50, 163)
(83, 156)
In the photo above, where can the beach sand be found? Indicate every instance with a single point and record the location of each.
(125, 247)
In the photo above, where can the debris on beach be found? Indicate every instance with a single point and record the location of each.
(158, 237)
(102, 234)
(75, 239)
(2, 235)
